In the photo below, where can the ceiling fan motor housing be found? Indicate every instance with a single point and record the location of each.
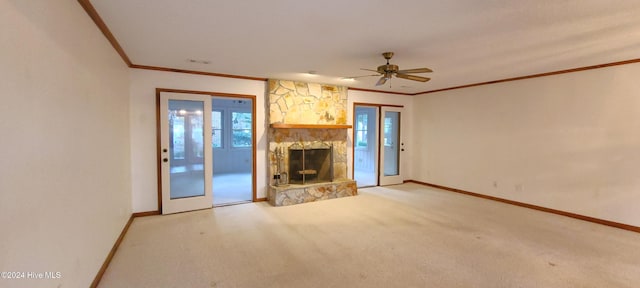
(382, 69)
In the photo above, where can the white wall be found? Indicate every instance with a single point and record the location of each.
(569, 142)
(143, 126)
(406, 135)
(64, 143)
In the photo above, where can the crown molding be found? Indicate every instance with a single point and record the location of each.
(136, 66)
(572, 70)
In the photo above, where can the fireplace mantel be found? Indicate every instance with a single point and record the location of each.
(309, 126)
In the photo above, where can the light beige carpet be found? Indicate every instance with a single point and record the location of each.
(399, 236)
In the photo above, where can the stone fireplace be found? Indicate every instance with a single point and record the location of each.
(307, 143)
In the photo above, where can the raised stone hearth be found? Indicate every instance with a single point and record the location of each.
(297, 194)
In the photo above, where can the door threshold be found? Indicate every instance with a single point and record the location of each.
(232, 203)
(367, 186)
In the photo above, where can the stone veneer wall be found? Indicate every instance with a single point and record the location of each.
(292, 102)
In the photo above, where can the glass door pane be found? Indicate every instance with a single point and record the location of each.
(391, 143)
(391, 146)
(186, 176)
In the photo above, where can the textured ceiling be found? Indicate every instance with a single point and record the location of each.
(463, 41)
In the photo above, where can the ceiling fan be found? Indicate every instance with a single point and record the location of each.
(389, 70)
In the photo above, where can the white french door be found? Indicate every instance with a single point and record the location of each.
(391, 146)
(185, 144)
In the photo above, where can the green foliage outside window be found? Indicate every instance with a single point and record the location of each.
(241, 129)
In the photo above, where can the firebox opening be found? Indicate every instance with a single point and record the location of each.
(310, 164)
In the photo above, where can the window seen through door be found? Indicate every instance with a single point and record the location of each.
(361, 130)
(241, 129)
(216, 129)
(196, 134)
(388, 141)
(177, 123)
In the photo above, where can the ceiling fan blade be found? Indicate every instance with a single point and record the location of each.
(369, 70)
(413, 77)
(381, 81)
(416, 70)
(356, 77)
